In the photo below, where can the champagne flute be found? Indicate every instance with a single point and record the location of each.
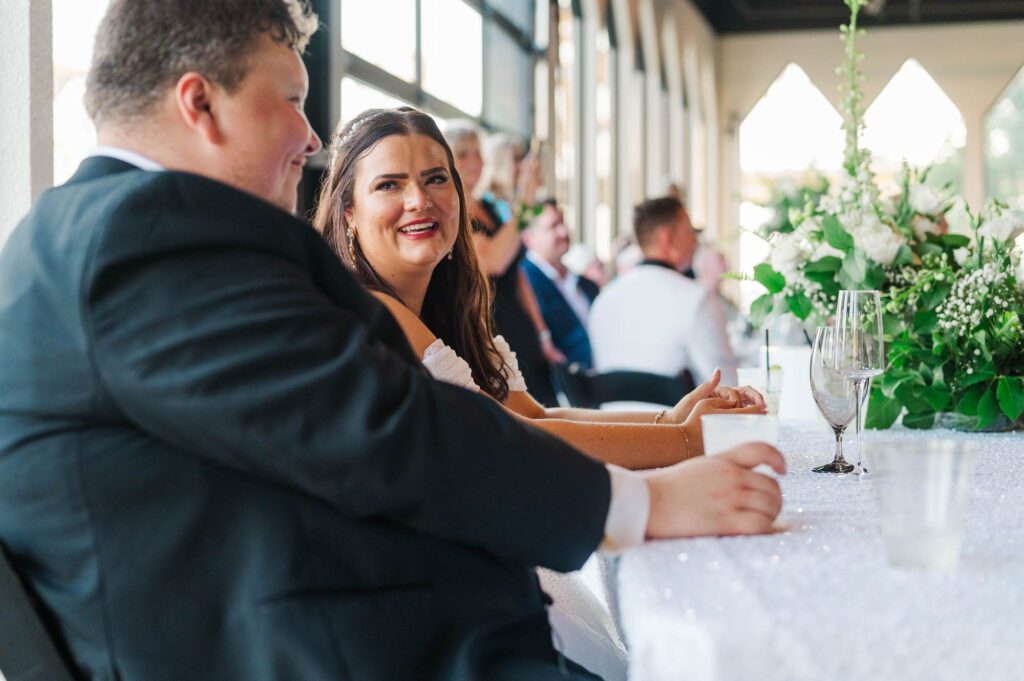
(834, 394)
(859, 349)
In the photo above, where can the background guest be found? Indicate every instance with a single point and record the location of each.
(564, 297)
(499, 250)
(654, 318)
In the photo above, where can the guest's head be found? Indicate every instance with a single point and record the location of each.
(664, 232)
(547, 235)
(464, 139)
(214, 88)
(500, 175)
(393, 208)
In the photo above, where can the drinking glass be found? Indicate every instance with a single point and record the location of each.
(922, 487)
(859, 350)
(834, 394)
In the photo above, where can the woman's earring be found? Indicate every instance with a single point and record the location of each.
(450, 256)
(351, 242)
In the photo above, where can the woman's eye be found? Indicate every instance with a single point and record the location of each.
(385, 186)
(437, 179)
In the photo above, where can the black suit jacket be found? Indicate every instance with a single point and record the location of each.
(567, 331)
(219, 458)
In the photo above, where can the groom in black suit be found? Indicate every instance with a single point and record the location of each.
(219, 458)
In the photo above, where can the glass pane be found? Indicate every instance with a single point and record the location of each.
(541, 23)
(565, 115)
(509, 75)
(361, 34)
(453, 53)
(74, 27)
(913, 119)
(357, 97)
(518, 12)
(604, 157)
(1004, 144)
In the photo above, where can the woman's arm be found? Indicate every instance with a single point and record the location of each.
(496, 253)
(416, 332)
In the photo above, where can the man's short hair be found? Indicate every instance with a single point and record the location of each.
(144, 46)
(653, 214)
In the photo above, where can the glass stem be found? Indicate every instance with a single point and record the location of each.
(858, 386)
(838, 458)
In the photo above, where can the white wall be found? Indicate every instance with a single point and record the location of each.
(26, 107)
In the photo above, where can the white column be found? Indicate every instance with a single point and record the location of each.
(26, 107)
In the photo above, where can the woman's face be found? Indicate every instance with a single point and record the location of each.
(468, 161)
(405, 210)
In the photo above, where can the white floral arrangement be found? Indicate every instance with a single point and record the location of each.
(952, 281)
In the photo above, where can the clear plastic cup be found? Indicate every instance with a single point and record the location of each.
(768, 383)
(725, 431)
(921, 487)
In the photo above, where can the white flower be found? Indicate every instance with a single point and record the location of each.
(1005, 227)
(923, 227)
(878, 241)
(1018, 257)
(961, 255)
(925, 200)
(787, 256)
(959, 219)
(829, 204)
(888, 204)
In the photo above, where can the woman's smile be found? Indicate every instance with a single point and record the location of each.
(420, 229)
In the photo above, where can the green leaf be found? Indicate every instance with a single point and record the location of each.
(938, 396)
(769, 278)
(835, 235)
(930, 299)
(855, 266)
(925, 321)
(882, 411)
(983, 374)
(904, 256)
(761, 309)
(1010, 393)
(800, 305)
(930, 249)
(910, 393)
(968, 404)
(828, 263)
(955, 240)
(988, 407)
(921, 421)
(874, 277)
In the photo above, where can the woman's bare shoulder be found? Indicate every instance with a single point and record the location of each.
(416, 332)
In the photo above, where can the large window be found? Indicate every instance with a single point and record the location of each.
(74, 28)
(454, 58)
(790, 136)
(567, 79)
(1004, 144)
(604, 156)
(914, 120)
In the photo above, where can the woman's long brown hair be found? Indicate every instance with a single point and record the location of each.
(457, 306)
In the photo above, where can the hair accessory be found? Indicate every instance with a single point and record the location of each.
(353, 127)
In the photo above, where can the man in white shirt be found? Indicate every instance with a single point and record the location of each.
(654, 318)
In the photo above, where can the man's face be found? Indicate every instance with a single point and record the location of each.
(684, 241)
(548, 237)
(266, 137)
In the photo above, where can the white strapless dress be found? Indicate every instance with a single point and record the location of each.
(582, 628)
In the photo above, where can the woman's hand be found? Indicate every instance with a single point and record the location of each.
(711, 405)
(735, 397)
(552, 354)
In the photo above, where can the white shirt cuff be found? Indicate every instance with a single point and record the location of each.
(626, 524)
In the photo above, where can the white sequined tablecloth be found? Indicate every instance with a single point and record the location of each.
(817, 600)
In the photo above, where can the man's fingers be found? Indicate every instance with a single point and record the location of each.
(752, 454)
(765, 492)
(749, 522)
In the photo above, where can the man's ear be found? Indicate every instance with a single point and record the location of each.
(194, 95)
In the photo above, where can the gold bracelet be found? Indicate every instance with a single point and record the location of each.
(686, 439)
(657, 417)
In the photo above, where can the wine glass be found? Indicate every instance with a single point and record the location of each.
(859, 350)
(834, 394)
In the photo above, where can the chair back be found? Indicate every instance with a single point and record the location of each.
(589, 389)
(27, 653)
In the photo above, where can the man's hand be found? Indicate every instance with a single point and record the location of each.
(716, 495)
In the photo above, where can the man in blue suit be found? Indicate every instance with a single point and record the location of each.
(564, 298)
(219, 458)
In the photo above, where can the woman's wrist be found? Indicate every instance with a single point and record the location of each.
(544, 335)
